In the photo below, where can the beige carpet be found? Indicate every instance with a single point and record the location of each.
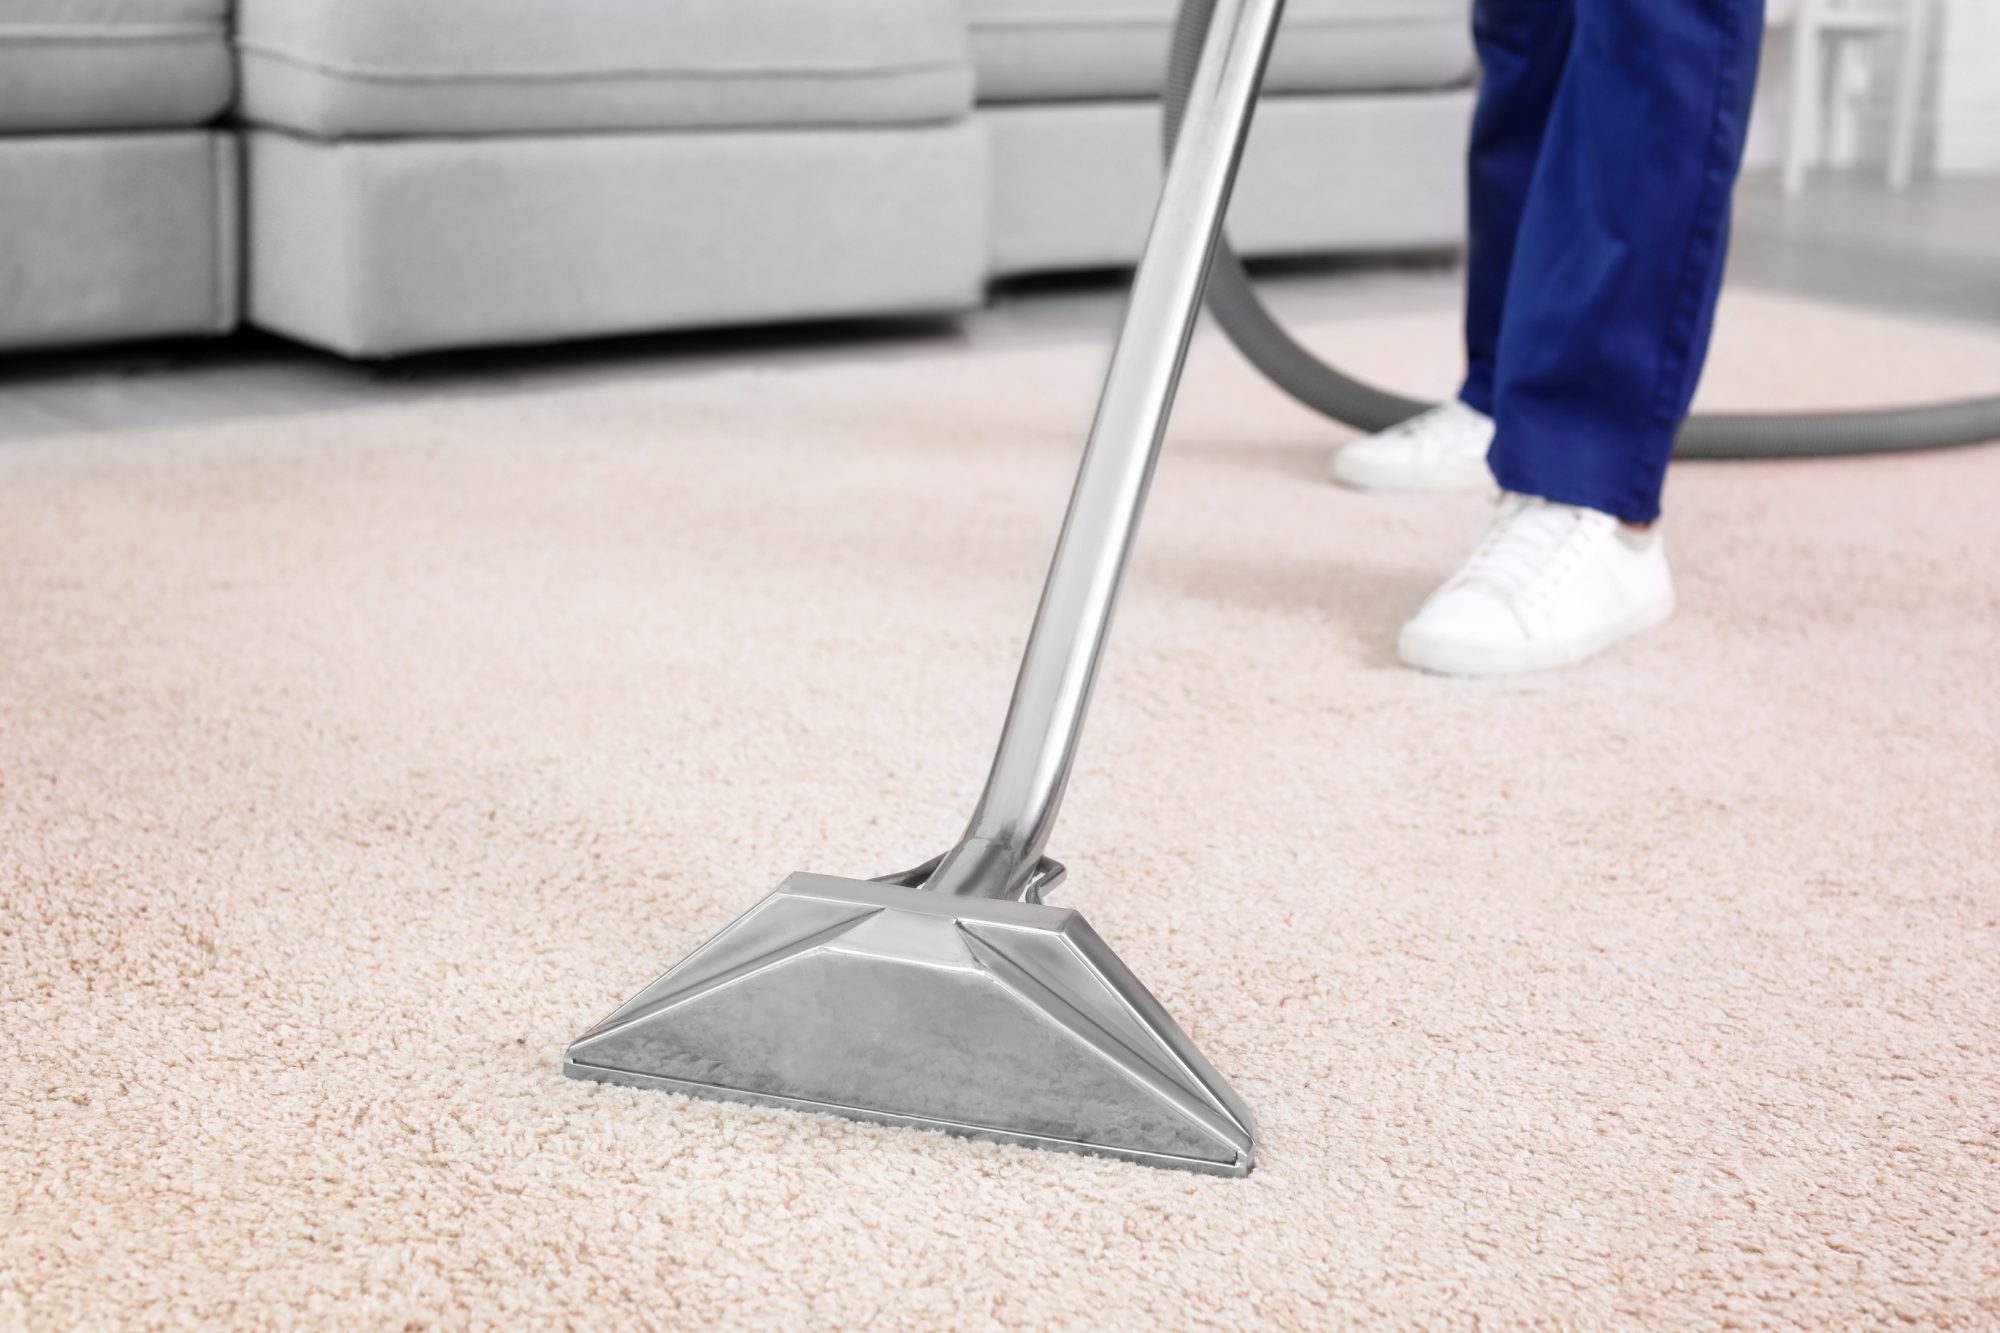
(350, 766)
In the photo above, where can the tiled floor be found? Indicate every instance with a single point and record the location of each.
(1933, 249)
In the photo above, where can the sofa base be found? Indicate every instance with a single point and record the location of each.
(1074, 183)
(374, 248)
(115, 236)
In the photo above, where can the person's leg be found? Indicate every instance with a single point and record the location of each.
(1619, 257)
(1605, 323)
(1523, 46)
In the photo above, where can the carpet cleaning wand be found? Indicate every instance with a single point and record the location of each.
(951, 997)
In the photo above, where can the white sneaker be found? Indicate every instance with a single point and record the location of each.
(1551, 584)
(1443, 449)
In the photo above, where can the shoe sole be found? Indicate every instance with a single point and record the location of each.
(1446, 658)
(1405, 482)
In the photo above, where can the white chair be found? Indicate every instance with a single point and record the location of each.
(1817, 27)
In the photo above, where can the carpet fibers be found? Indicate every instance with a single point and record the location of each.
(351, 765)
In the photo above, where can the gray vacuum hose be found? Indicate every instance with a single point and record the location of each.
(1241, 313)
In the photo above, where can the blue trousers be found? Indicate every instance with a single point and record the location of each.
(1604, 150)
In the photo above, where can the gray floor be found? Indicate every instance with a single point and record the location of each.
(1931, 249)
(1934, 249)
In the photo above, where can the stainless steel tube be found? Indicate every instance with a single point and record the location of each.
(1003, 844)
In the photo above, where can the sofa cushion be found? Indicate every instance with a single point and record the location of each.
(116, 236)
(1053, 50)
(348, 68)
(378, 247)
(112, 64)
(1075, 183)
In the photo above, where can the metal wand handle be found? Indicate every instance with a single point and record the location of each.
(1003, 844)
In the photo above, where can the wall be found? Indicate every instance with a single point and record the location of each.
(1968, 89)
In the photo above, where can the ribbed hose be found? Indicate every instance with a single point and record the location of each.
(1236, 306)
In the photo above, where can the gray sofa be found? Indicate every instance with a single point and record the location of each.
(119, 203)
(1358, 144)
(479, 171)
(466, 172)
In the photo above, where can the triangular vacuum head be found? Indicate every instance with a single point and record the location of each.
(1001, 1020)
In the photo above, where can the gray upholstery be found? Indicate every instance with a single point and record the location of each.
(442, 173)
(379, 247)
(1052, 50)
(342, 68)
(117, 236)
(116, 220)
(1074, 183)
(68, 65)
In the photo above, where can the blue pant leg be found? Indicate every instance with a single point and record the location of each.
(1522, 45)
(1620, 253)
